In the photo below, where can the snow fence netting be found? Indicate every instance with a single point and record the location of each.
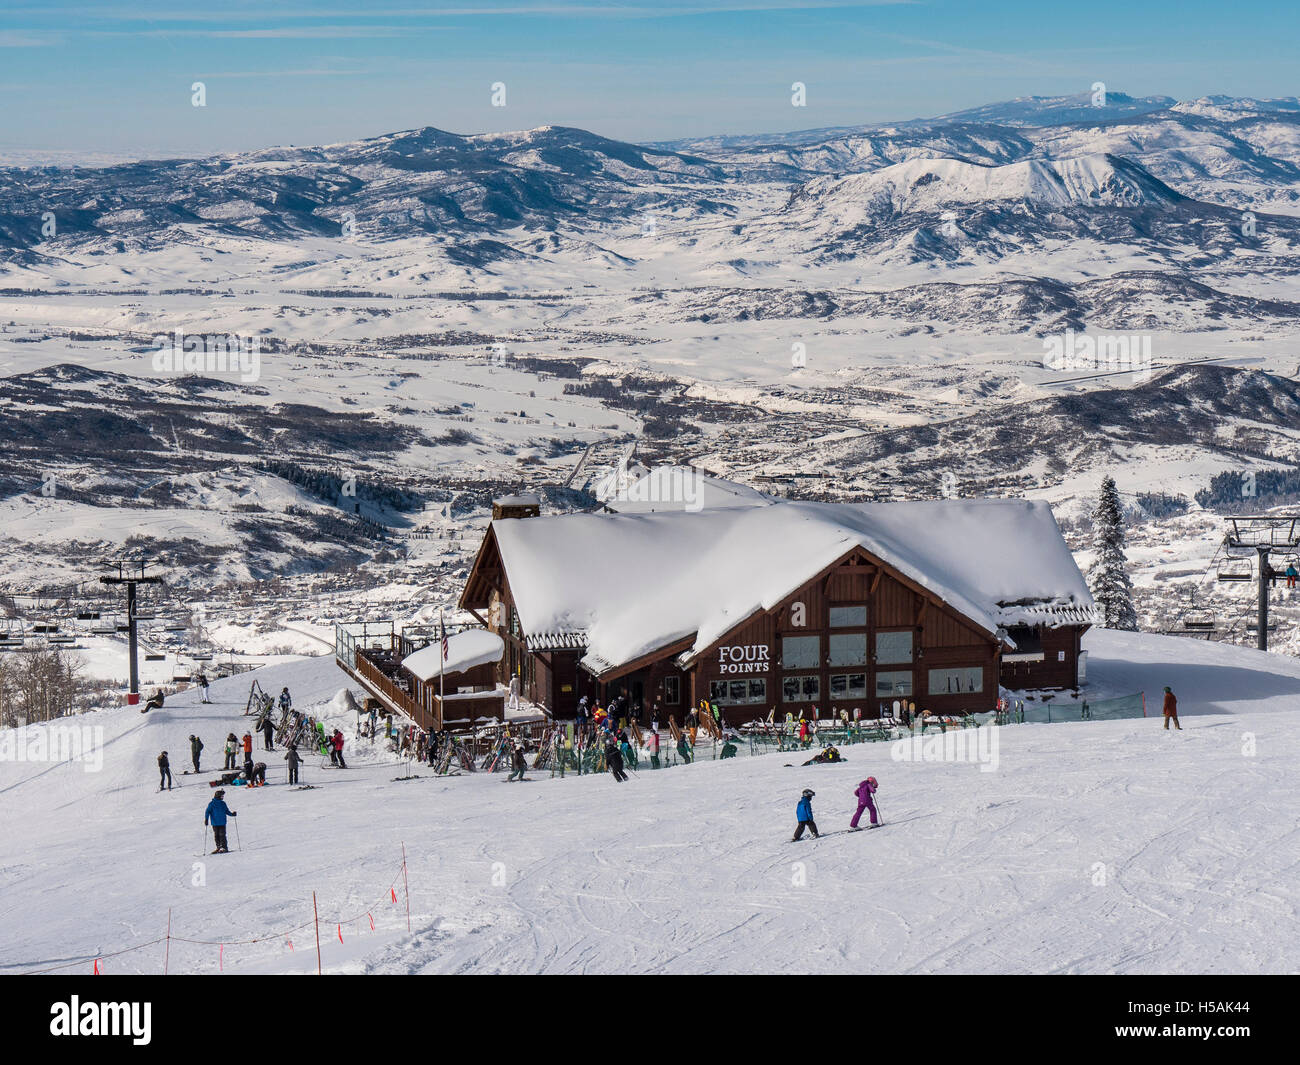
(1088, 710)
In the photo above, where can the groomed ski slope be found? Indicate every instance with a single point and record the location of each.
(1094, 847)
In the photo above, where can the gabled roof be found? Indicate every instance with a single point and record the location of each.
(635, 583)
(465, 650)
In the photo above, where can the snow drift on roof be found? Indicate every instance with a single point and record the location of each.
(465, 650)
(635, 583)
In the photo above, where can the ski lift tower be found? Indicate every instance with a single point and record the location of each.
(1262, 534)
(130, 572)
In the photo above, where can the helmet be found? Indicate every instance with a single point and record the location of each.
(808, 793)
(221, 793)
(872, 781)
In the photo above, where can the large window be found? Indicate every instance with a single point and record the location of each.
(894, 684)
(733, 692)
(847, 649)
(848, 685)
(892, 647)
(959, 681)
(848, 617)
(672, 691)
(801, 652)
(801, 689)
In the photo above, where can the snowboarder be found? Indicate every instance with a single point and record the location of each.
(232, 745)
(216, 813)
(865, 790)
(196, 749)
(1171, 710)
(294, 761)
(258, 777)
(337, 749)
(268, 728)
(201, 679)
(829, 754)
(155, 701)
(164, 772)
(518, 765)
(614, 760)
(803, 811)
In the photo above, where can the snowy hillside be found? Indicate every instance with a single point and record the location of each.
(1092, 847)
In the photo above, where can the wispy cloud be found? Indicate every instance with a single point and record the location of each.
(28, 39)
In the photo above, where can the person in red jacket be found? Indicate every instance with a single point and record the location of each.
(248, 745)
(865, 790)
(338, 748)
(1171, 710)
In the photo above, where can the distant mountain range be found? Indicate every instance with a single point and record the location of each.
(1145, 173)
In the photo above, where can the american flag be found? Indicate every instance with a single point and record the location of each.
(443, 629)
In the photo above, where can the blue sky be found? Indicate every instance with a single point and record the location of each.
(115, 76)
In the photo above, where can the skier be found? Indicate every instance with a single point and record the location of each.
(803, 732)
(248, 746)
(337, 748)
(201, 679)
(258, 777)
(614, 760)
(267, 730)
(232, 745)
(292, 758)
(518, 765)
(830, 754)
(1171, 710)
(286, 703)
(865, 790)
(683, 749)
(625, 749)
(216, 813)
(164, 772)
(1291, 574)
(803, 811)
(196, 749)
(652, 744)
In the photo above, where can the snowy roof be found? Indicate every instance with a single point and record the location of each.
(465, 650)
(644, 491)
(521, 499)
(635, 583)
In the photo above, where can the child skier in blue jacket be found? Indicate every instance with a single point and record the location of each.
(216, 813)
(805, 815)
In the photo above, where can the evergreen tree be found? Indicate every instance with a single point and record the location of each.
(1108, 578)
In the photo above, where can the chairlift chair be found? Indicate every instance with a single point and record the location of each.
(1235, 569)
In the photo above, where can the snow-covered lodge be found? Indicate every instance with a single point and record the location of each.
(758, 603)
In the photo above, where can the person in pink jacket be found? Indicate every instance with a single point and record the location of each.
(865, 790)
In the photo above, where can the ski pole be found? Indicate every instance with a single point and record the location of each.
(238, 844)
(205, 838)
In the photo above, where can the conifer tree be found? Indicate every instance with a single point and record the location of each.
(1108, 577)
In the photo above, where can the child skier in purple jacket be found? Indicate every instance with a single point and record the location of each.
(865, 790)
